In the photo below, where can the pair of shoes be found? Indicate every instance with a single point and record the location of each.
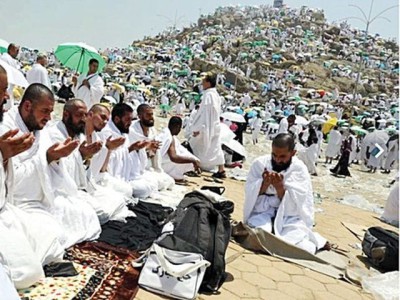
(220, 175)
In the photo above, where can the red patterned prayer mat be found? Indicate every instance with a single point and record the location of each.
(115, 278)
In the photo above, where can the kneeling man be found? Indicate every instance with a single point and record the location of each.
(279, 197)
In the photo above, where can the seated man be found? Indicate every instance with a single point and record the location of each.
(41, 186)
(176, 159)
(150, 159)
(108, 203)
(124, 162)
(27, 241)
(279, 196)
(391, 212)
(97, 118)
(6, 287)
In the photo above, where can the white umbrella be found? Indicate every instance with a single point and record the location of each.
(236, 146)
(376, 137)
(14, 76)
(234, 117)
(227, 139)
(301, 121)
(110, 99)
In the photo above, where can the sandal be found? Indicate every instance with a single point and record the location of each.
(220, 175)
(192, 174)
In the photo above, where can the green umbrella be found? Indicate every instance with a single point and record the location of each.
(358, 130)
(165, 107)
(3, 46)
(76, 56)
(129, 86)
(172, 86)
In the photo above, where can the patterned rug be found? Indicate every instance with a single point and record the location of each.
(105, 272)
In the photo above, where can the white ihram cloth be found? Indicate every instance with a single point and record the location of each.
(392, 154)
(294, 215)
(108, 204)
(175, 170)
(27, 241)
(207, 144)
(49, 191)
(7, 289)
(125, 165)
(38, 74)
(309, 156)
(105, 178)
(90, 96)
(7, 58)
(150, 168)
(334, 143)
(391, 211)
(283, 126)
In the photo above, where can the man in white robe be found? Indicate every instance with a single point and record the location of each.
(309, 156)
(50, 193)
(10, 57)
(256, 125)
(206, 130)
(279, 186)
(375, 161)
(176, 159)
(391, 211)
(89, 87)
(97, 118)
(392, 154)
(286, 123)
(334, 143)
(124, 162)
(26, 242)
(150, 158)
(38, 73)
(108, 204)
(7, 288)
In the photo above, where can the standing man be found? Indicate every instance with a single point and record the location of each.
(10, 57)
(89, 87)
(285, 124)
(206, 129)
(38, 73)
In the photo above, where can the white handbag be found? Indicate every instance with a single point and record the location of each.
(173, 273)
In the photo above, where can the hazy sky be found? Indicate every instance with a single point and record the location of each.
(42, 24)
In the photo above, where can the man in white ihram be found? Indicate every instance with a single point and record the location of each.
(206, 129)
(89, 87)
(27, 242)
(108, 203)
(10, 57)
(279, 198)
(50, 194)
(38, 73)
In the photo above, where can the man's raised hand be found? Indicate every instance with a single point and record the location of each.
(115, 143)
(88, 150)
(138, 145)
(59, 150)
(11, 145)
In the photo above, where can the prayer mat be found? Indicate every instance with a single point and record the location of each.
(104, 272)
(326, 262)
(116, 279)
(61, 288)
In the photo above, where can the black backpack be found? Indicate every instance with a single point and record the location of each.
(201, 226)
(65, 92)
(382, 248)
